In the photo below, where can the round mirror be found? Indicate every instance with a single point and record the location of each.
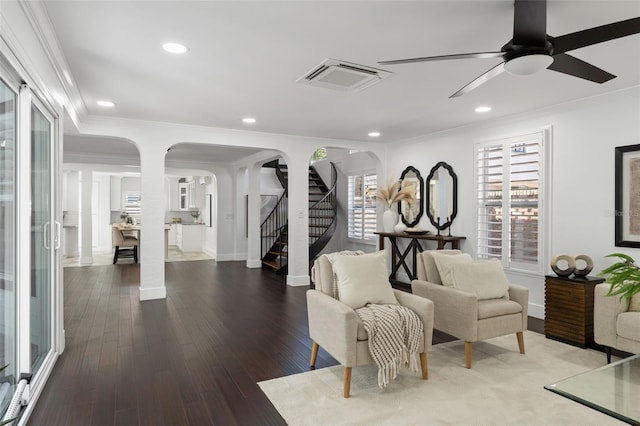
(442, 195)
(411, 210)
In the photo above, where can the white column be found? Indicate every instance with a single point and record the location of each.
(152, 285)
(225, 202)
(253, 219)
(72, 207)
(298, 210)
(86, 189)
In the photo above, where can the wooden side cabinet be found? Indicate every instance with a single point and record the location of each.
(568, 309)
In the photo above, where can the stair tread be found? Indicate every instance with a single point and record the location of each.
(279, 253)
(273, 264)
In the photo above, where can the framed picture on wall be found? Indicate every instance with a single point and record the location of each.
(627, 196)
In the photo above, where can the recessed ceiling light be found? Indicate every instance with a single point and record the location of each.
(175, 48)
(107, 104)
(249, 120)
(374, 134)
(483, 109)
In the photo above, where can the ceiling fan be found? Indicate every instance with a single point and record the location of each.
(531, 49)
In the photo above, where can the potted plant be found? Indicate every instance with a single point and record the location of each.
(623, 276)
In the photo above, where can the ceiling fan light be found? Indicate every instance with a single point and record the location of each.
(528, 64)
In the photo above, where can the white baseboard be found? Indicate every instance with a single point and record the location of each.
(536, 311)
(240, 256)
(210, 252)
(297, 281)
(225, 257)
(254, 263)
(153, 293)
(86, 260)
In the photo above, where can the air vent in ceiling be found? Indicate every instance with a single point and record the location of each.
(342, 75)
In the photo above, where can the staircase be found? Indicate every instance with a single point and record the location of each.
(322, 219)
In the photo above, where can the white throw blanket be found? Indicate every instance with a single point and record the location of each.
(395, 337)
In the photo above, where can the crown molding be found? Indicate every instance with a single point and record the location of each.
(38, 17)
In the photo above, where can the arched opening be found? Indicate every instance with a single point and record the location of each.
(100, 187)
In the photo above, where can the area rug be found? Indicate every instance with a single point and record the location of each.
(503, 388)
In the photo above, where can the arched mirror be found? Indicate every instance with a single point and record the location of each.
(411, 210)
(442, 195)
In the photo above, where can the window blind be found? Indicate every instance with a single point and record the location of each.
(132, 204)
(508, 197)
(361, 214)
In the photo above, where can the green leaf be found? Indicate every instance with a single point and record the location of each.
(623, 277)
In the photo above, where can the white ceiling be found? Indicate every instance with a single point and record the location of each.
(245, 57)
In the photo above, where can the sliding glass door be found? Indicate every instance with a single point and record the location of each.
(42, 240)
(7, 244)
(30, 298)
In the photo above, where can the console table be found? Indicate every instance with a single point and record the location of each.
(399, 257)
(568, 309)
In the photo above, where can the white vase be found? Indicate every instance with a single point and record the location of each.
(400, 226)
(389, 219)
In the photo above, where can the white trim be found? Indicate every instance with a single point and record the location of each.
(23, 231)
(210, 252)
(225, 257)
(543, 135)
(298, 281)
(535, 310)
(88, 260)
(254, 263)
(152, 293)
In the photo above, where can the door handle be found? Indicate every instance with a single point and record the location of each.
(45, 237)
(57, 236)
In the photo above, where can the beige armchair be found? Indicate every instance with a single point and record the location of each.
(124, 245)
(614, 326)
(338, 328)
(462, 315)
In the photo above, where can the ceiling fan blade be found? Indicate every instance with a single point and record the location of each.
(595, 35)
(479, 55)
(530, 23)
(570, 65)
(493, 72)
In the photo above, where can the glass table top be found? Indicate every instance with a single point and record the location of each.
(613, 389)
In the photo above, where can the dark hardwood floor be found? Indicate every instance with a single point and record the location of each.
(192, 359)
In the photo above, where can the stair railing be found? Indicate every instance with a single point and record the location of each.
(273, 226)
(323, 217)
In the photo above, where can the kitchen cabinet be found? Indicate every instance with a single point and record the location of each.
(172, 234)
(190, 237)
(184, 195)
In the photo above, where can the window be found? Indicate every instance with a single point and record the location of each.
(362, 206)
(509, 194)
(132, 204)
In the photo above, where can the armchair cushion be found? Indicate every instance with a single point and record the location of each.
(628, 325)
(363, 279)
(485, 279)
(497, 307)
(445, 263)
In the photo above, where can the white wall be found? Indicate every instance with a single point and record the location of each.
(581, 198)
(101, 212)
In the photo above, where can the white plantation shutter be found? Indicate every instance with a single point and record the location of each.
(508, 179)
(361, 210)
(133, 204)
